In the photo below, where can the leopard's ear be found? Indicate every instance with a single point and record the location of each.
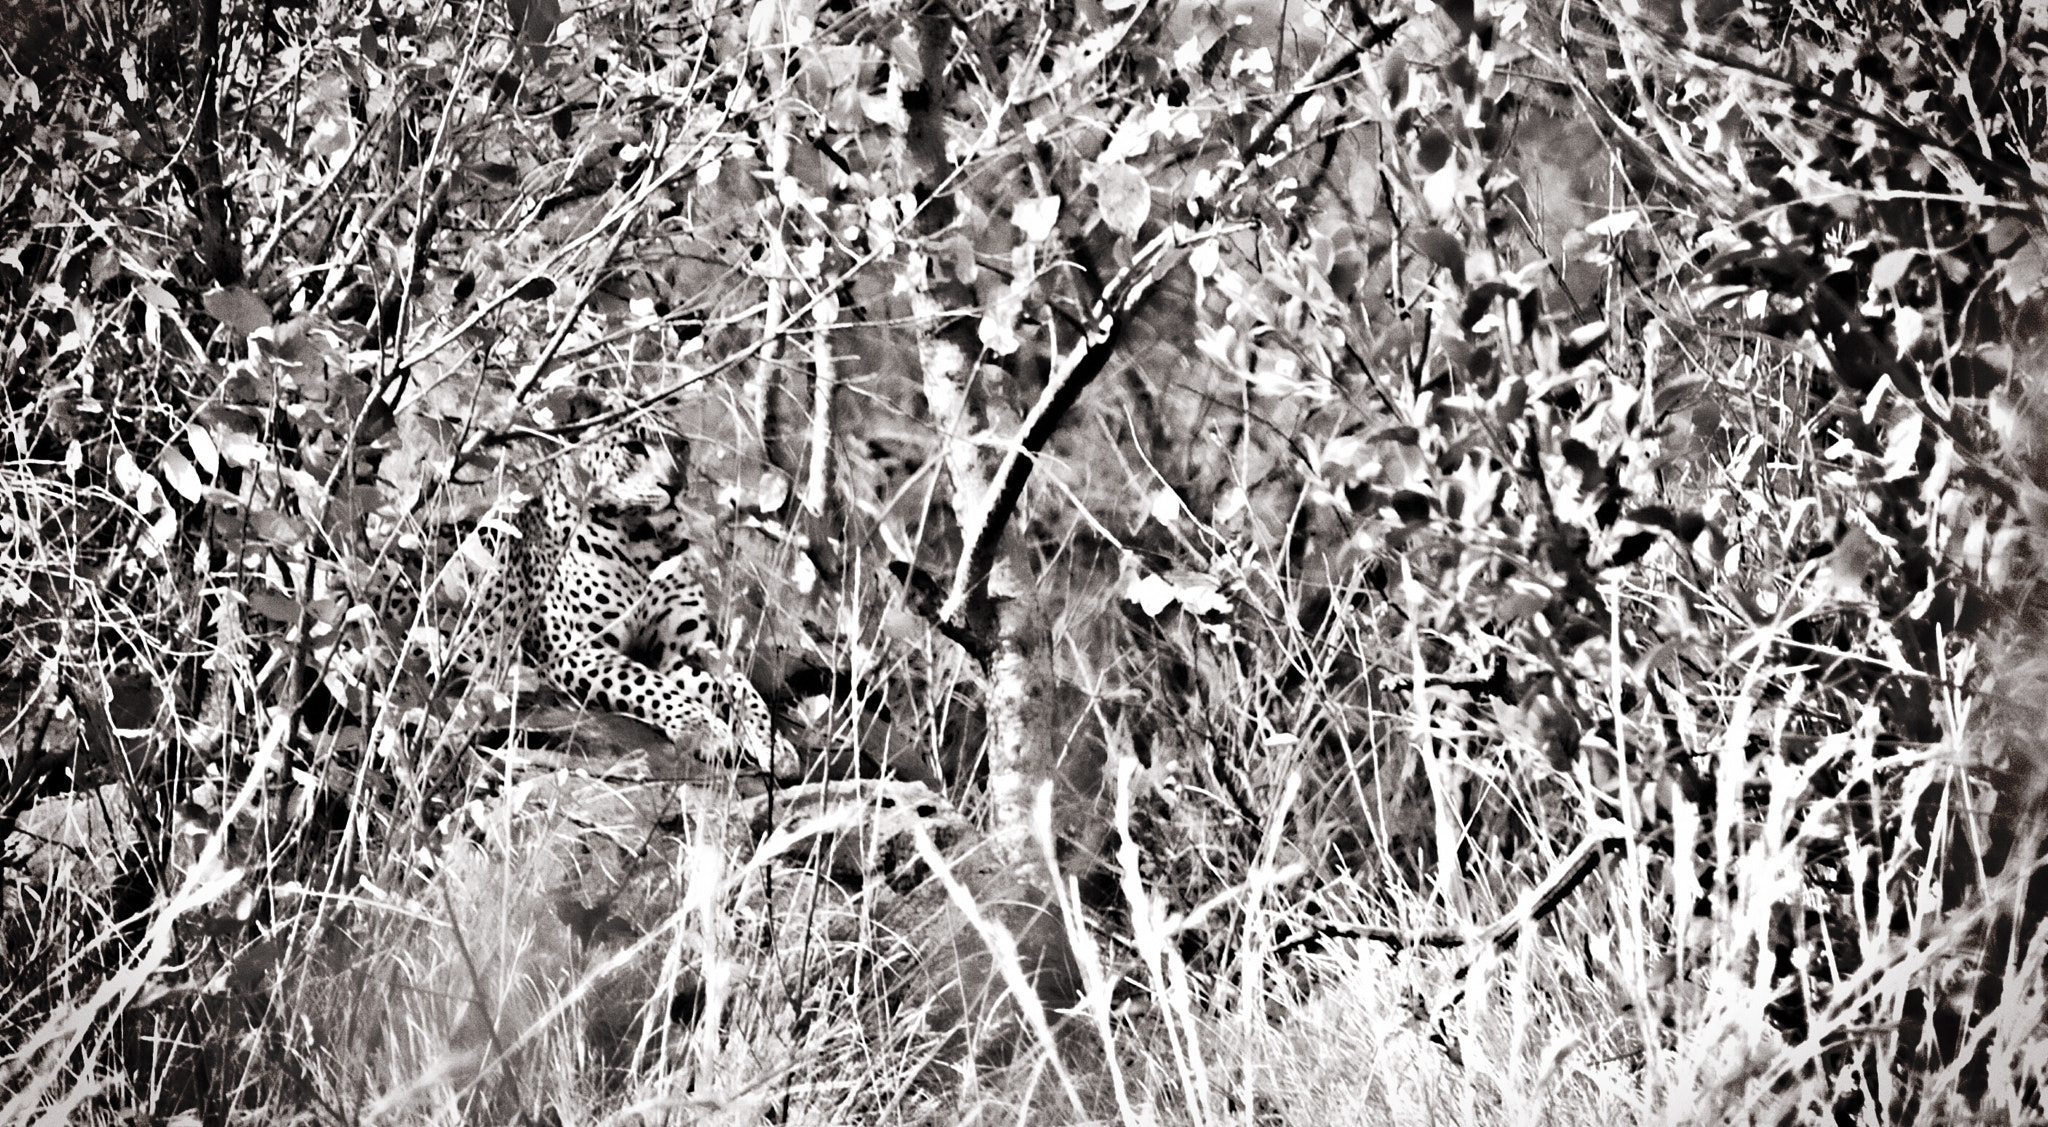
(657, 432)
(565, 406)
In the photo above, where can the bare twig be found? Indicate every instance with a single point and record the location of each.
(1604, 836)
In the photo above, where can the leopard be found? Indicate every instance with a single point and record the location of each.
(595, 588)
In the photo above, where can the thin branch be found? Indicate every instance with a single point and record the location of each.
(1121, 297)
(1605, 836)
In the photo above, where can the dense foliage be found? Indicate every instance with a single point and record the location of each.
(1510, 526)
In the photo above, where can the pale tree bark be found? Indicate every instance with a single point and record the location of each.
(775, 30)
(824, 386)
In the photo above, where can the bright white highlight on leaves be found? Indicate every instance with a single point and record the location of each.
(1165, 508)
(1891, 268)
(1035, 217)
(1126, 198)
(1619, 223)
(1196, 592)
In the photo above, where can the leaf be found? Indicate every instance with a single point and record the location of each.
(178, 472)
(1461, 13)
(782, 23)
(1656, 516)
(1854, 557)
(1522, 599)
(1152, 594)
(1908, 325)
(1619, 223)
(1444, 249)
(839, 65)
(242, 450)
(1440, 189)
(771, 492)
(1480, 363)
(1194, 591)
(491, 171)
(237, 308)
(1394, 75)
(1035, 217)
(1902, 447)
(2023, 271)
(1165, 507)
(1134, 135)
(1199, 594)
(157, 536)
(1891, 268)
(1514, 400)
(276, 608)
(1462, 73)
(1633, 548)
(885, 109)
(1125, 197)
(1582, 458)
(1412, 507)
(203, 448)
(535, 288)
(1432, 149)
(156, 296)
(277, 527)
(534, 21)
(998, 328)
(1581, 343)
(1480, 302)
(127, 474)
(1972, 376)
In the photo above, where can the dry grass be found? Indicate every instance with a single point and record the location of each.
(1329, 675)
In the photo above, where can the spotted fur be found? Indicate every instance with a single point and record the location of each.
(610, 614)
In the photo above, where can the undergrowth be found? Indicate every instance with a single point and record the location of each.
(1493, 563)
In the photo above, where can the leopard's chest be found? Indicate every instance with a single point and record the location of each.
(596, 573)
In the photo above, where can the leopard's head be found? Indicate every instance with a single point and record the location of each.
(634, 471)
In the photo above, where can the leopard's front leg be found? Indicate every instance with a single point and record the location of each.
(677, 702)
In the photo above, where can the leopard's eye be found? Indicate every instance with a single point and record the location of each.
(636, 448)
